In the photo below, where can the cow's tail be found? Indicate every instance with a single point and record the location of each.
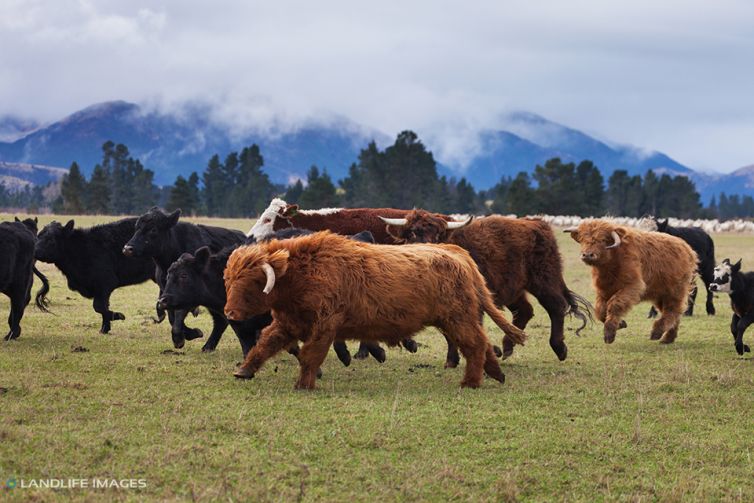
(513, 332)
(41, 299)
(578, 307)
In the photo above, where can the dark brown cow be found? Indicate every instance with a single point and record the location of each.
(628, 266)
(325, 287)
(344, 221)
(515, 255)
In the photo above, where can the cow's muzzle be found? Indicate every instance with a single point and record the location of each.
(128, 251)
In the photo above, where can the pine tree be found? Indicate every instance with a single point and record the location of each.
(184, 194)
(521, 200)
(98, 194)
(319, 192)
(215, 186)
(293, 194)
(72, 190)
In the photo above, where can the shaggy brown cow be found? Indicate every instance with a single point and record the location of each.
(325, 287)
(628, 266)
(345, 221)
(515, 255)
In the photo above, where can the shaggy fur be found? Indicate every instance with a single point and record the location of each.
(515, 255)
(645, 266)
(345, 221)
(331, 288)
(702, 244)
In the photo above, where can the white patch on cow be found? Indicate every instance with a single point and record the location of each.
(321, 211)
(265, 224)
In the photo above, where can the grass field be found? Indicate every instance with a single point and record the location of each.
(634, 421)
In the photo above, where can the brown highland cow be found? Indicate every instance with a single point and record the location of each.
(515, 256)
(325, 287)
(628, 266)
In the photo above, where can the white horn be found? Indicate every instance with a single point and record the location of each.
(616, 238)
(394, 221)
(571, 229)
(270, 273)
(452, 225)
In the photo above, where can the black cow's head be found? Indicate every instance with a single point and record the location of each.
(723, 276)
(151, 231)
(186, 284)
(30, 223)
(662, 226)
(50, 241)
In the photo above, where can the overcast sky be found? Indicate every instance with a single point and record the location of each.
(669, 75)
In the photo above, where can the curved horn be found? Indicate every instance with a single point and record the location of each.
(616, 238)
(452, 225)
(571, 229)
(270, 273)
(394, 221)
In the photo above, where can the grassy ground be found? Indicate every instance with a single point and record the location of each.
(634, 421)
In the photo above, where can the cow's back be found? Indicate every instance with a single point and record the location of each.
(665, 260)
(345, 221)
(510, 252)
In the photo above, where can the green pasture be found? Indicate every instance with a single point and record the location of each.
(633, 421)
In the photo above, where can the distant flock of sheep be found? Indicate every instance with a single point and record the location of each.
(380, 275)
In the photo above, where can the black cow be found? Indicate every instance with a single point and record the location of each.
(702, 244)
(92, 262)
(17, 268)
(198, 280)
(41, 298)
(161, 237)
(729, 279)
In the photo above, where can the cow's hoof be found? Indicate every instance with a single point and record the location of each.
(243, 373)
(410, 345)
(319, 373)
(104, 330)
(450, 364)
(561, 352)
(118, 316)
(178, 344)
(498, 352)
(194, 333)
(507, 353)
(710, 312)
(11, 336)
(470, 384)
(379, 354)
(740, 349)
(665, 340)
(746, 349)
(207, 349)
(361, 354)
(622, 324)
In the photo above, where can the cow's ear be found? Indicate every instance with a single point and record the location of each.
(202, 257)
(173, 217)
(736, 267)
(16, 219)
(68, 227)
(36, 220)
(290, 210)
(574, 233)
(279, 262)
(661, 226)
(726, 261)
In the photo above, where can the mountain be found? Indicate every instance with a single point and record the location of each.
(180, 141)
(528, 139)
(173, 144)
(18, 175)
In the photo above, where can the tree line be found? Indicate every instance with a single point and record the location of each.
(403, 175)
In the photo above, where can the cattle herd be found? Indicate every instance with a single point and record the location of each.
(376, 275)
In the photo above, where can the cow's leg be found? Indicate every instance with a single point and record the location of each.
(272, 340)
(743, 324)
(692, 300)
(668, 322)
(219, 324)
(176, 318)
(313, 353)
(294, 350)
(191, 333)
(522, 312)
(652, 312)
(707, 278)
(556, 306)
(617, 307)
(17, 307)
(452, 359)
(101, 305)
(341, 349)
(471, 341)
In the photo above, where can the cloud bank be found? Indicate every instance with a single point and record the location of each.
(674, 76)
